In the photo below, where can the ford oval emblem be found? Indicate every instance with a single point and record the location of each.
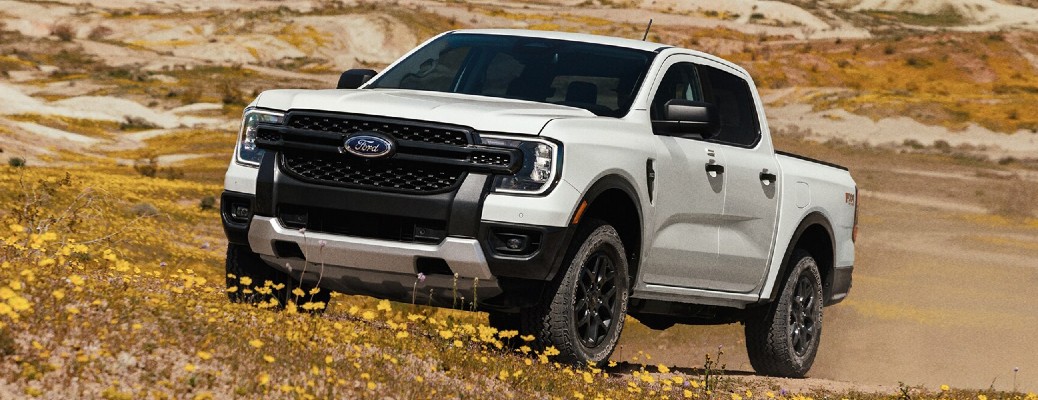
(369, 145)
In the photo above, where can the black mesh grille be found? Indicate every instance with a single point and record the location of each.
(362, 224)
(400, 131)
(268, 135)
(385, 175)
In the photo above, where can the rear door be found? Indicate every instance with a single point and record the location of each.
(751, 202)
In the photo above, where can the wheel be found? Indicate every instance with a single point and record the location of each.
(582, 314)
(782, 339)
(242, 262)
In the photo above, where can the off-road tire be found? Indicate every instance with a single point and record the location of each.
(593, 283)
(242, 262)
(782, 339)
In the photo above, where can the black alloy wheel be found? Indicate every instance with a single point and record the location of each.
(596, 300)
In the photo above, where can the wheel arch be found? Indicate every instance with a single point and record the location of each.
(613, 199)
(814, 234)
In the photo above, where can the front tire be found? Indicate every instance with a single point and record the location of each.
(583, 313)
(782, 339)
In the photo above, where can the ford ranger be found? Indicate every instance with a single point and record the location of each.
(558, 181)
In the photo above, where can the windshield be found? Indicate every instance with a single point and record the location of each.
(598, 78)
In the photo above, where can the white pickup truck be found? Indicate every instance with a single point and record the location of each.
(558, 182)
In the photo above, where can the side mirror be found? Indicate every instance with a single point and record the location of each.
(686, 117)
(354, 78)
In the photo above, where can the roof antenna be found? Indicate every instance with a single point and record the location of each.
(646, 36)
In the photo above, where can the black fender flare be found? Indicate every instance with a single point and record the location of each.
(812, 219)
(602, 185)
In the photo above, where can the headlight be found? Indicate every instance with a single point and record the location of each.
(541, 165)
(247, 153)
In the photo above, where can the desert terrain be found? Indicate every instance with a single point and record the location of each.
(118, 119)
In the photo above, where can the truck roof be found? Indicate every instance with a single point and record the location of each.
(603, 40)
(575, 37)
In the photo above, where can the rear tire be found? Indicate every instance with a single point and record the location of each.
(242, 263)
(782, 339)
(582, 313)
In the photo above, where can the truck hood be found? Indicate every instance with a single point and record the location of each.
(487, 114)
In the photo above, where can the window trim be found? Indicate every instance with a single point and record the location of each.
(700, 61)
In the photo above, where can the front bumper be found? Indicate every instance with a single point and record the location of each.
(388, 267)
(380, 268)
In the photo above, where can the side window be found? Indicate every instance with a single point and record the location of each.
(738, 114)
(680, 82)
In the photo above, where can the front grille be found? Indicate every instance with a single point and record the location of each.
(401, 131)
(340, 170)
(363, 224)
(496, 159)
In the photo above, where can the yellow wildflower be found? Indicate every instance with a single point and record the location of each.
(58, 294)
(19, 303)
(268, 358)
(402, 335)
(384, 306)
(256, 343)
(368, 315)
(446, 334)
(189, 367)
(663, 369)
(245, 281)
(205, 355)
(263, 379)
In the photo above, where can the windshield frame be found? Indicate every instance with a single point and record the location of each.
(631, 67)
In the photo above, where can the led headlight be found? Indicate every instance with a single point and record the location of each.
(541, 165)
(247, 153)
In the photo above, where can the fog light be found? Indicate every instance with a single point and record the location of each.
(515, 244)
(240, 211)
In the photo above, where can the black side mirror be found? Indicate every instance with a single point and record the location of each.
(687, 117)
(354, 78)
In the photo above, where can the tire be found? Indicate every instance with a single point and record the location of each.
(242, 262)
(782, 339)
(582, 313)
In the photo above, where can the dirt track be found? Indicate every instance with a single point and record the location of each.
(943, 294)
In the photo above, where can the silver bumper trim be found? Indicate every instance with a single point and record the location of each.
(464, 256)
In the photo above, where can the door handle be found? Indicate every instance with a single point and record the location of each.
(716, 168)
(769, 177)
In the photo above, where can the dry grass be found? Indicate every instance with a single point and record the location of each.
(949, 79)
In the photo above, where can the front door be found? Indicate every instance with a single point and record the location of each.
(689, 193)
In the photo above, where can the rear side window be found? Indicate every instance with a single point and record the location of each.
(737, 111)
